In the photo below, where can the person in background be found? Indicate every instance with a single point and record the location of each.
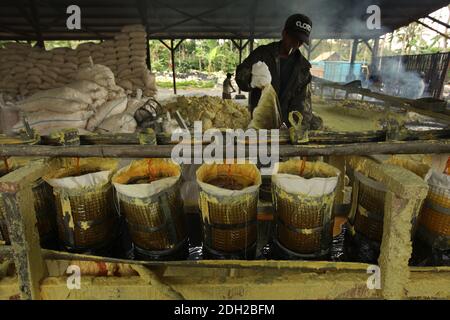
(228, 88)
(364, 75)
(289, 72)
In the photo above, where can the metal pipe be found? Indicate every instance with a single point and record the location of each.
(172, 55)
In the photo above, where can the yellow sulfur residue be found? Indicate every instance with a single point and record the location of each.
(156, 168)
(351, 115)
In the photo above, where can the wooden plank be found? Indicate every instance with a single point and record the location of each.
(138, 138)
(134, 151)
(396, 247)
(404, 191)
(22, 225)
(243, 264)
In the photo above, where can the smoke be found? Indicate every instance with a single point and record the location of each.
(336, 19)
(400, 82)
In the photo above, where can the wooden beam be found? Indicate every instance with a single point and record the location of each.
(405, 192)
(17, 195)
(165, 151)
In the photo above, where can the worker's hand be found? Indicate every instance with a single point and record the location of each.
(260, 75)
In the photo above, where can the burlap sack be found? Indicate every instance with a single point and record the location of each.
(132, 28)
(34, 72)
(121, 36)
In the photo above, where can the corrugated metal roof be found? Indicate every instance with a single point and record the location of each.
(25, 20)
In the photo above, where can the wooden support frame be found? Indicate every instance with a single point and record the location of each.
(21, 222)
(164, 151)
(172, 49)
(404, 191)
(227, 279)
(352, 62)
(240, 47)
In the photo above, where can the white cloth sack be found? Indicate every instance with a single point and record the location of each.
(120, 123)
(436, 179)
(220, 192)
(107, 110)
(83, 181)
(144, 190)
(261, 76)
(313, 187)
(62, 100)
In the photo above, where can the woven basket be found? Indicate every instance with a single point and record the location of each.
(304, 223)
(229, 216)
(44, 207)
(7, 166)
(45, 213)
(155, 219)
(86, 216)
(434, 219)
(4, 234)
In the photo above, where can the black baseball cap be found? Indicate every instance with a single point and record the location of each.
(299, 26)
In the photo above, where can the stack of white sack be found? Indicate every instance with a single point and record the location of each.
(55, 109)
(92, 102)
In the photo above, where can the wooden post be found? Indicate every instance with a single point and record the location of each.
(375, 48)
(17, 195)
(310, 49)
(405, 193)
(339, 163)
(352, 60)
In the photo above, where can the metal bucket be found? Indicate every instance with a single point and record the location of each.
(86, 216)
(156, 222)
(229, 216)
(304, 223)
(44, 206)
(434, 219)
(45, 215)
(4, 234)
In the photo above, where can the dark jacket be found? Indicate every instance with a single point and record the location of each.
(297, 94)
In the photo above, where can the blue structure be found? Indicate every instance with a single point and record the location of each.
(338, 71)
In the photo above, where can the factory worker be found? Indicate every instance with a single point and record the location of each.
(228, 88)
(288, 72)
